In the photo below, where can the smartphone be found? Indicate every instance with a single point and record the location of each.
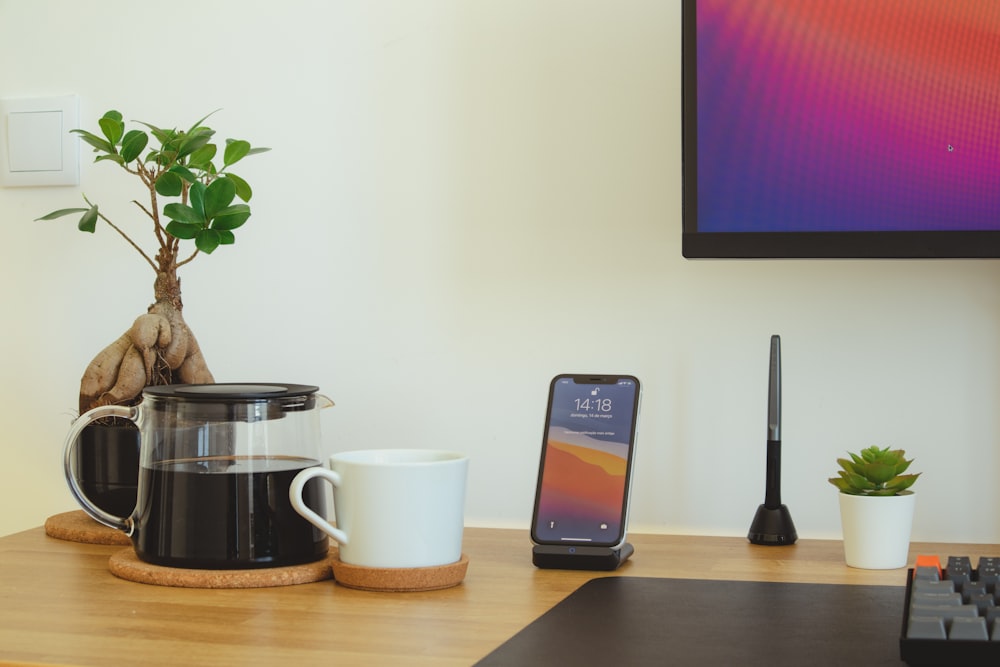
(585, 473)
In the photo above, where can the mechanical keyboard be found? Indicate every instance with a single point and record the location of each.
(951, 615)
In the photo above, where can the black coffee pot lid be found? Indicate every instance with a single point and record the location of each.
(230, 391)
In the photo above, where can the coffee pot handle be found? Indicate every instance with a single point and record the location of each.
(295, 495)
(69, 450)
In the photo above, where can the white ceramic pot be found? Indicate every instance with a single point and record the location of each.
(877, 530)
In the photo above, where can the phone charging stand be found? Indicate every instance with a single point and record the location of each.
(559, 557)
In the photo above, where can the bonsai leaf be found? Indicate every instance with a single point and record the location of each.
(236, 150)
(218, 195)
(231, 217)
(243, 190)
(194, 140)
(184, 173)
(61, 212)
(169, 184)
(197, 199)
(95, 141)
(112, 127)
(226, 237)
(202, 158)
(88, 223)
(182, 230)
(133, 144)
(185, 214)
(207, 240)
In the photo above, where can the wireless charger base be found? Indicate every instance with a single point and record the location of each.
(772, 527)
(559, 557)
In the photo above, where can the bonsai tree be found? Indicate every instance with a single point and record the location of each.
(874, 472)
(185, 198)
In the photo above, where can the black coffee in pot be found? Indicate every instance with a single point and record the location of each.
(226, 512)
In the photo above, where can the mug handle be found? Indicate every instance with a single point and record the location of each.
(295, 495)
(120, 523)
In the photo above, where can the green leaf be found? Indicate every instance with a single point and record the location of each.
(61, 212)
(113, 128)
(88, 223)
(182, 230)
(202, 158)
(236, 150)
(218, 195)
(133, 144)
(879, 473)
(255, 151)
(114, 157)
(226, 237)
(197, 199)
(169, 184)
(185, 214)
(184, 173)
(95, 141)
(231, 217)
(243, 190)
(193, 141)
(163, 136)
(207, 240)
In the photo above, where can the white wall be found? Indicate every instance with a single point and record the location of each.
(464, 199)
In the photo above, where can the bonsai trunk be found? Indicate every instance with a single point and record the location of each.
(158, 349)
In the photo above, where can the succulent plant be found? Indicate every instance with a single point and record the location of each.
(875, 472)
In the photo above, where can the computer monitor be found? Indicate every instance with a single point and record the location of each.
(841, 128)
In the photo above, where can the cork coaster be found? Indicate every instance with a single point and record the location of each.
(77, 526)
(126, 565)
(402, 579)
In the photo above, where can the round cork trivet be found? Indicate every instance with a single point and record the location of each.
(402, 579)
(77, 526)
(126, 565)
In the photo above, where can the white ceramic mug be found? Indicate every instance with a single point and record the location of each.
(394, 507)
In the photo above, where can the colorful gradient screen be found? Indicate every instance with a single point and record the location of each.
(583, 481)
(846, 115)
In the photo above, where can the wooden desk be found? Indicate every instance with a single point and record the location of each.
(60, 605)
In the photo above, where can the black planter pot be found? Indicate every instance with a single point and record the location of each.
(108, 466)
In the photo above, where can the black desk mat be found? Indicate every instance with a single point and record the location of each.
(648, 621)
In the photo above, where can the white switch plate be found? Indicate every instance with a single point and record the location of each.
(36, 147)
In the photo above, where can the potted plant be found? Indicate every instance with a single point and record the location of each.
(876, 507)
(186, 197)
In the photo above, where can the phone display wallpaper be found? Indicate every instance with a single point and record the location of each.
(583, 485)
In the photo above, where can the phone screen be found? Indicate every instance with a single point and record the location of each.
(583, 479)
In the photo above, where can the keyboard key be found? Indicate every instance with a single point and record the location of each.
(959, 570)
(927, 567)
(949, 598)
(988, 570)
(926, 627)
(928, 586)
(973, 627)
(971, 589)
(945, 611)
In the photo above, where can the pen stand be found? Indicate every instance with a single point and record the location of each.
(559, 557)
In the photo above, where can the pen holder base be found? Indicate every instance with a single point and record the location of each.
(772, 527)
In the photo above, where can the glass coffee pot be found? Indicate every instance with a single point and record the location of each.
(215, 465)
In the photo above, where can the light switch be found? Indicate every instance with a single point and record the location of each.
(36, 147)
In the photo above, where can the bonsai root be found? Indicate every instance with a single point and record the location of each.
(158, 348)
